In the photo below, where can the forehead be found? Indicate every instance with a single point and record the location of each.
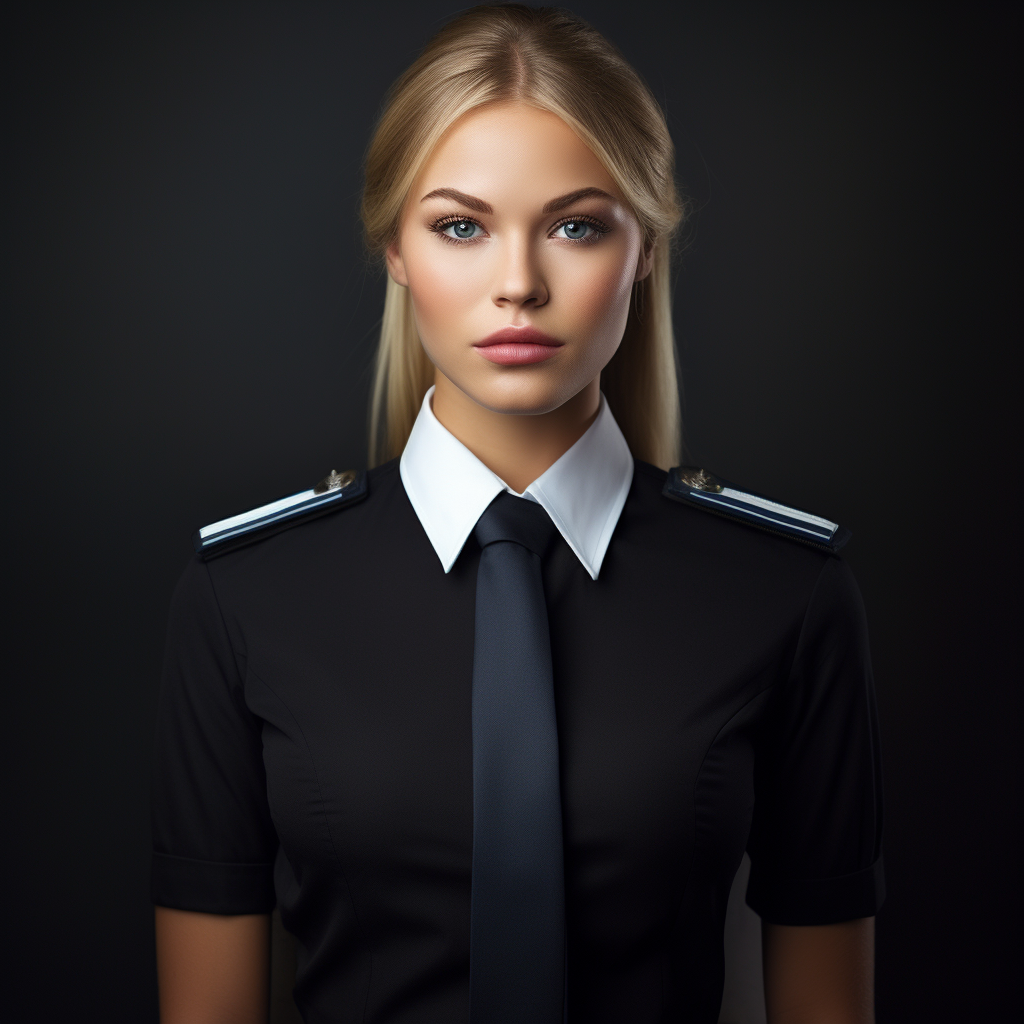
(512, 148)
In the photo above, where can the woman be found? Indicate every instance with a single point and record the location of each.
(509, 776)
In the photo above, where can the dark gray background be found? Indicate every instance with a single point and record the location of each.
(189, 323)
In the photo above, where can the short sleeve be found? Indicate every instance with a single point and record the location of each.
(815, 841)
(213, 840)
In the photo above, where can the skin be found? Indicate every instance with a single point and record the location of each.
(520, 268)
(212, 968)
(215, 969)
(819, 975)
(500, 168)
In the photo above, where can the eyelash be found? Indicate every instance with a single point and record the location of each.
(600, 229)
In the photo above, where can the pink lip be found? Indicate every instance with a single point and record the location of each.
(517, 346)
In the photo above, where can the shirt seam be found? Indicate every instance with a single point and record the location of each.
(693, 802)
(224, 626)
(872, 736)
(826, 564)
(327, 826)
(788, 676)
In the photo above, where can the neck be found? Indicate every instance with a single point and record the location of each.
(517, 447)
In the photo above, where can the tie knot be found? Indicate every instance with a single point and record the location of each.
(515, 519)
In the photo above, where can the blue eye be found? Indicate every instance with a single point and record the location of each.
(461, 229)
(576, 230)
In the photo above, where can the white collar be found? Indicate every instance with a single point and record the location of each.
(583, 492)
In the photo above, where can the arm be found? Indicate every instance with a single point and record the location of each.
(212, 968)
(822, 974)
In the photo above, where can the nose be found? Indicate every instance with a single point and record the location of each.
(519, 280)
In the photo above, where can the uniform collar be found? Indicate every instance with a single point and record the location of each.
(583, 492)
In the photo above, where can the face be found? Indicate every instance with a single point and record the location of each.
(520, 255)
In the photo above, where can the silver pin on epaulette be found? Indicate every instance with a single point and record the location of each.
(692, 476)
(335, 481)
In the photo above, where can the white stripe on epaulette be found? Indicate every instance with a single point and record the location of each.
(257, 513)
(824, 532)
(698, 487)
(772, 506)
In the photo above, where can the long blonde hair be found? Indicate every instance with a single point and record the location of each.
(557, 62)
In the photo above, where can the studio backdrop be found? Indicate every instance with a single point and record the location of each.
(189, 325)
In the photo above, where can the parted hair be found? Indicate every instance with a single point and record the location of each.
(551, 59)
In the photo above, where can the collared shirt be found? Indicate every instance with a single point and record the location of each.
(713, 693)
(583, 491)
(314, 752)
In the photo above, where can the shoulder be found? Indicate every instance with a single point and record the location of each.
(257, 566)
(751, 552)
(336, 492)
(698, 489)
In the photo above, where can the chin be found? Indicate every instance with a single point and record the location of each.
(519, 394)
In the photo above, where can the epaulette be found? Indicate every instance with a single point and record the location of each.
(698, 487)
(334, 491)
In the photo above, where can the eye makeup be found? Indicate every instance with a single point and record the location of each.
(599, 228)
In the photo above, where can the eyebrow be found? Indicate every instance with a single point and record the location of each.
(553, 206)
(459, 197)
(574, 197)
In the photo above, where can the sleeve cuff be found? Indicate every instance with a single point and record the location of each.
(815, 901)
(210, 887)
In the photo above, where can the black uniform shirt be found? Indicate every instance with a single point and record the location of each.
(713, 692)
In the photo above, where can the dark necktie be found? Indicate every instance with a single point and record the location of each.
(517, 937)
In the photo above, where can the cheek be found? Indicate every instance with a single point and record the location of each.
(597, 294)
(444, 288)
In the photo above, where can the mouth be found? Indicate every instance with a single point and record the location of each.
(518, 346)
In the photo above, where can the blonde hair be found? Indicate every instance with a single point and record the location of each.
(556, 62)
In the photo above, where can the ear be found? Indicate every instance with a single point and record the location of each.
(645, 262)
(396, 265)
